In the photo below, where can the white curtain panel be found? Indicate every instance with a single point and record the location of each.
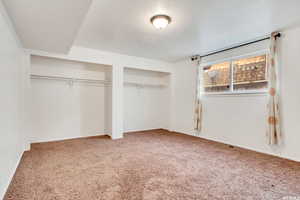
(274, 130)
(198, 103)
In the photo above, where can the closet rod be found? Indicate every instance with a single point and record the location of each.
(69, 79)
(239, 45)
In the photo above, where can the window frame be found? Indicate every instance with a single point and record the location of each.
(231, 60)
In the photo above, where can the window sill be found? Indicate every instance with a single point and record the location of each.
(238, 93)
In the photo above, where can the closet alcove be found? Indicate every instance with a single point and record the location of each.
(69, 99)
(146, 99)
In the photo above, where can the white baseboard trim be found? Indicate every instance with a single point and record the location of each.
(27, 146)
(136, 131)
(6, 185)
(68, 138)
(144, 130)
(116, 138)
(240, 146)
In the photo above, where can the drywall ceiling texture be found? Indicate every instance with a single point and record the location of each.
(50, 25)
(198, 26)
(124, 27)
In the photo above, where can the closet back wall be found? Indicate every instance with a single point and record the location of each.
(146, 100)
(61, 110)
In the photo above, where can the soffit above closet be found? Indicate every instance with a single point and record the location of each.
(48, 25)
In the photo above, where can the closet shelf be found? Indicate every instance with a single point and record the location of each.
(92, 81)
(143, 84)
(71, 80)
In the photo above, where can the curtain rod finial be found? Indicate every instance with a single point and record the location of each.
(278, 35)
(195, 58)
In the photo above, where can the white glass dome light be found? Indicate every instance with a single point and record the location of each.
(160, 21)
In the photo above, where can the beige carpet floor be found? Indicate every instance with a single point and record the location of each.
(153, 165)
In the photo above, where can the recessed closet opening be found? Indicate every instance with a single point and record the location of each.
(69, 99)
(146, 100)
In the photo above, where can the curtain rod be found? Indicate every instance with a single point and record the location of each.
(240, 45)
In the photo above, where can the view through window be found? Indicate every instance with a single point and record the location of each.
(237, 75)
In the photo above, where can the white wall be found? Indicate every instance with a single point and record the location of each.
(62, 111)
(290, 51)
(11, 106)
(241, 120)
(146, 107)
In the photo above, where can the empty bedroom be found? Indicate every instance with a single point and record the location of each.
(149, 100)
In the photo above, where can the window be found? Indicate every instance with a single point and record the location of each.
(217, 77)
(236, 76)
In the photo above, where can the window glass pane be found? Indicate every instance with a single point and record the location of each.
(250, 73)
(216, 78)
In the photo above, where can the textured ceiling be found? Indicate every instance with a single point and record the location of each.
(119, 26)
(198, 26)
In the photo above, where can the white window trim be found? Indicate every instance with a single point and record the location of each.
(232, 92)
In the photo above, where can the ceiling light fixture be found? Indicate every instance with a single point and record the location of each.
(160, 21)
